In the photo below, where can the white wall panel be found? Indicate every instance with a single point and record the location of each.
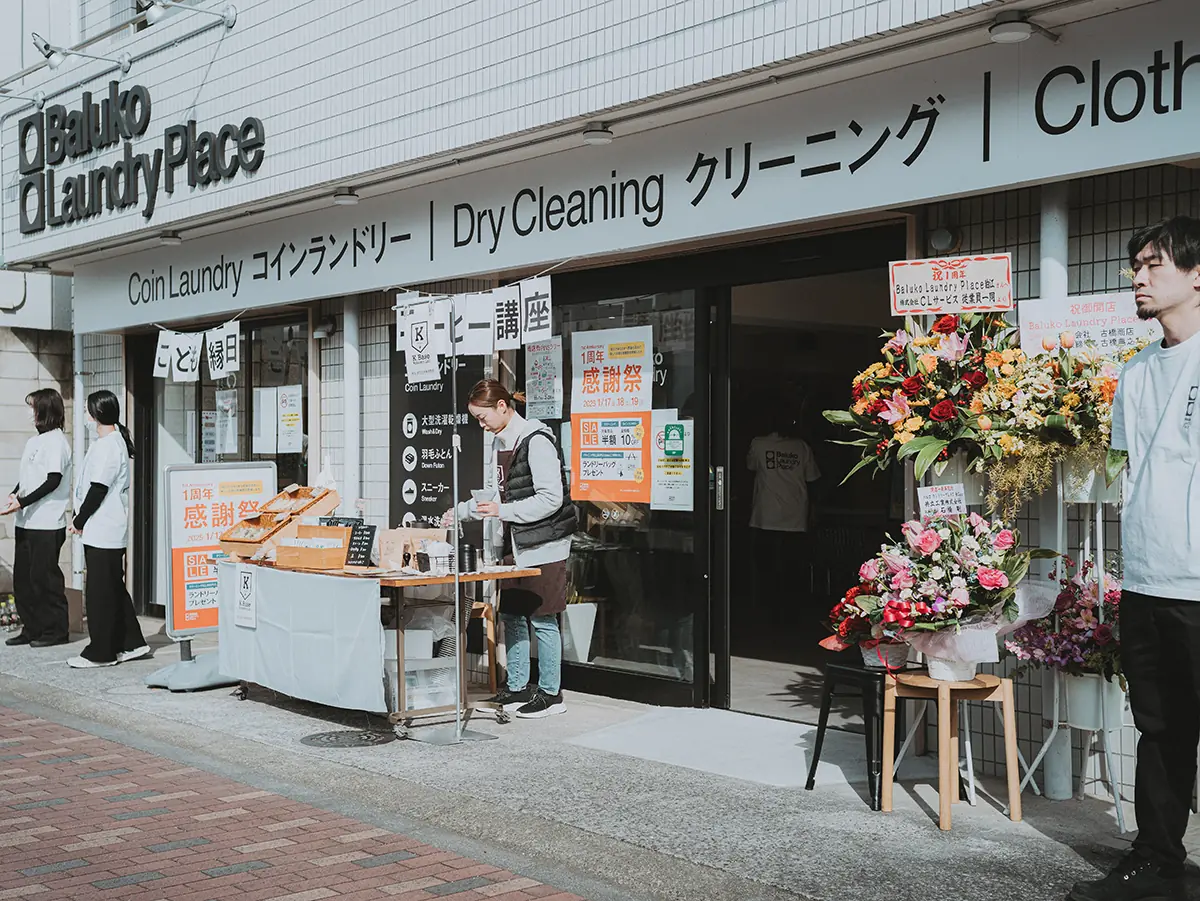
(354, 87)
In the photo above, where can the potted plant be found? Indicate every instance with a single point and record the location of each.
(919, 400)
(1081, 639)
(947, 573)
(858, 624)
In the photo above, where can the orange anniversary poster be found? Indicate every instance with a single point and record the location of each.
(203, 502)
(611, 395)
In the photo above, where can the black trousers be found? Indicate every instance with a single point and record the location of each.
(39, 587)
(1160, 654)
(112, 623)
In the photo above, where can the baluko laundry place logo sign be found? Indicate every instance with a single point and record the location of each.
(48, 139)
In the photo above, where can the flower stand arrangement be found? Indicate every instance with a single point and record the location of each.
(920, 399)
(947, 574)
(1050, 410)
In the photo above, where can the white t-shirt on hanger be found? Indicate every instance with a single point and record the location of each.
(106, 463)
(782, 468)
(44, 454)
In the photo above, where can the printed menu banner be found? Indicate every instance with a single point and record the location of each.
(674, 454)
(544, 378)
(612, 370)
(611, 458)
(208, 436)
(202, 502)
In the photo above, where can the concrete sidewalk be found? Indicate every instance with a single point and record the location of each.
(654, 803)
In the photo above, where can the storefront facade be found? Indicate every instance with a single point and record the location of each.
(771, 181)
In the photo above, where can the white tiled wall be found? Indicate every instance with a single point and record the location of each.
(1104, 212)
(355, 87)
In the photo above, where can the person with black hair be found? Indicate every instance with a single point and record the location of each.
(1153, 421)
(40, 502)
(102, 518)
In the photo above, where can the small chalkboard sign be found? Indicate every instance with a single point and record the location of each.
(362, 542)
(342, 522)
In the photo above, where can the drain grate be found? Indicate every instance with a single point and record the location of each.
(355, 738)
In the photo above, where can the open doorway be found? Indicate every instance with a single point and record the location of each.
(797, 536)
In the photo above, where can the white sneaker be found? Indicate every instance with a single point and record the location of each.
(84, 663)
(135, 654)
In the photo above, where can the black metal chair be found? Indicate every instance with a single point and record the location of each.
(869, 684)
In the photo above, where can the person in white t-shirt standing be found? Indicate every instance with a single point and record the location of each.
(783, 467)
(1154, 420)
(40, 502)
(102, 518)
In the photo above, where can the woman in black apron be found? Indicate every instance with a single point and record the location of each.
(538, 520)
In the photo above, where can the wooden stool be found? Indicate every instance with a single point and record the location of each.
(982, 688)
(482, 610)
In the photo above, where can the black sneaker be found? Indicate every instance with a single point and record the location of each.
(20, 638)
(1135, 878)
(542, 705)
(48, 642)
(512, 700)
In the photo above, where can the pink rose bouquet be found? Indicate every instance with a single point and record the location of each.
(943, 574)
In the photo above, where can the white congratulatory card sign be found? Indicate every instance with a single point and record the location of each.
(943, 500)
(954, 285)
(1107, 321)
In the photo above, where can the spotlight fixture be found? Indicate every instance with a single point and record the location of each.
(38, 98)
(325, 328)
(597, 134)
(1014, 27)
(156, 10)
(170, 239)
(345, 197)
(944, 240)
(42, 268)
(56, 56)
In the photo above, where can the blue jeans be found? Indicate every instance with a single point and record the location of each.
(516, 645)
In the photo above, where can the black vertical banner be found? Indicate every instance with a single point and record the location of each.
(422, 445)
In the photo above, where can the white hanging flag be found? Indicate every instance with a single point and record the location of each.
(440, 325)
(506, 317)
(473, 324)
(221, 347)
(537, 315)
(164, 354)
(420, 362)
(185, 357)
(404, 302)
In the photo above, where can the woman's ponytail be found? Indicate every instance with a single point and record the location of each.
(128, 438)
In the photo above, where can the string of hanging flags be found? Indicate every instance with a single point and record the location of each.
(178, 354)
(485, 322)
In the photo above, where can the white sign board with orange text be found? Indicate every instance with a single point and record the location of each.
(203, 502)
(972, 284)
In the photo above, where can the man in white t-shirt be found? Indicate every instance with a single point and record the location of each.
(1155, 420)
(783, 468)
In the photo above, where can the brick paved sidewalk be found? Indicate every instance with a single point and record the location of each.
(83, 817)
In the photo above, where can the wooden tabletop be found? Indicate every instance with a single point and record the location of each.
(417, 580)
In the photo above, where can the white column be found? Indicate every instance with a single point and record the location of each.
(1058, 782)
(351, 406)
(77, 451)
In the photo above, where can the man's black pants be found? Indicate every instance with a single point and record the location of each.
(1160, 655)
